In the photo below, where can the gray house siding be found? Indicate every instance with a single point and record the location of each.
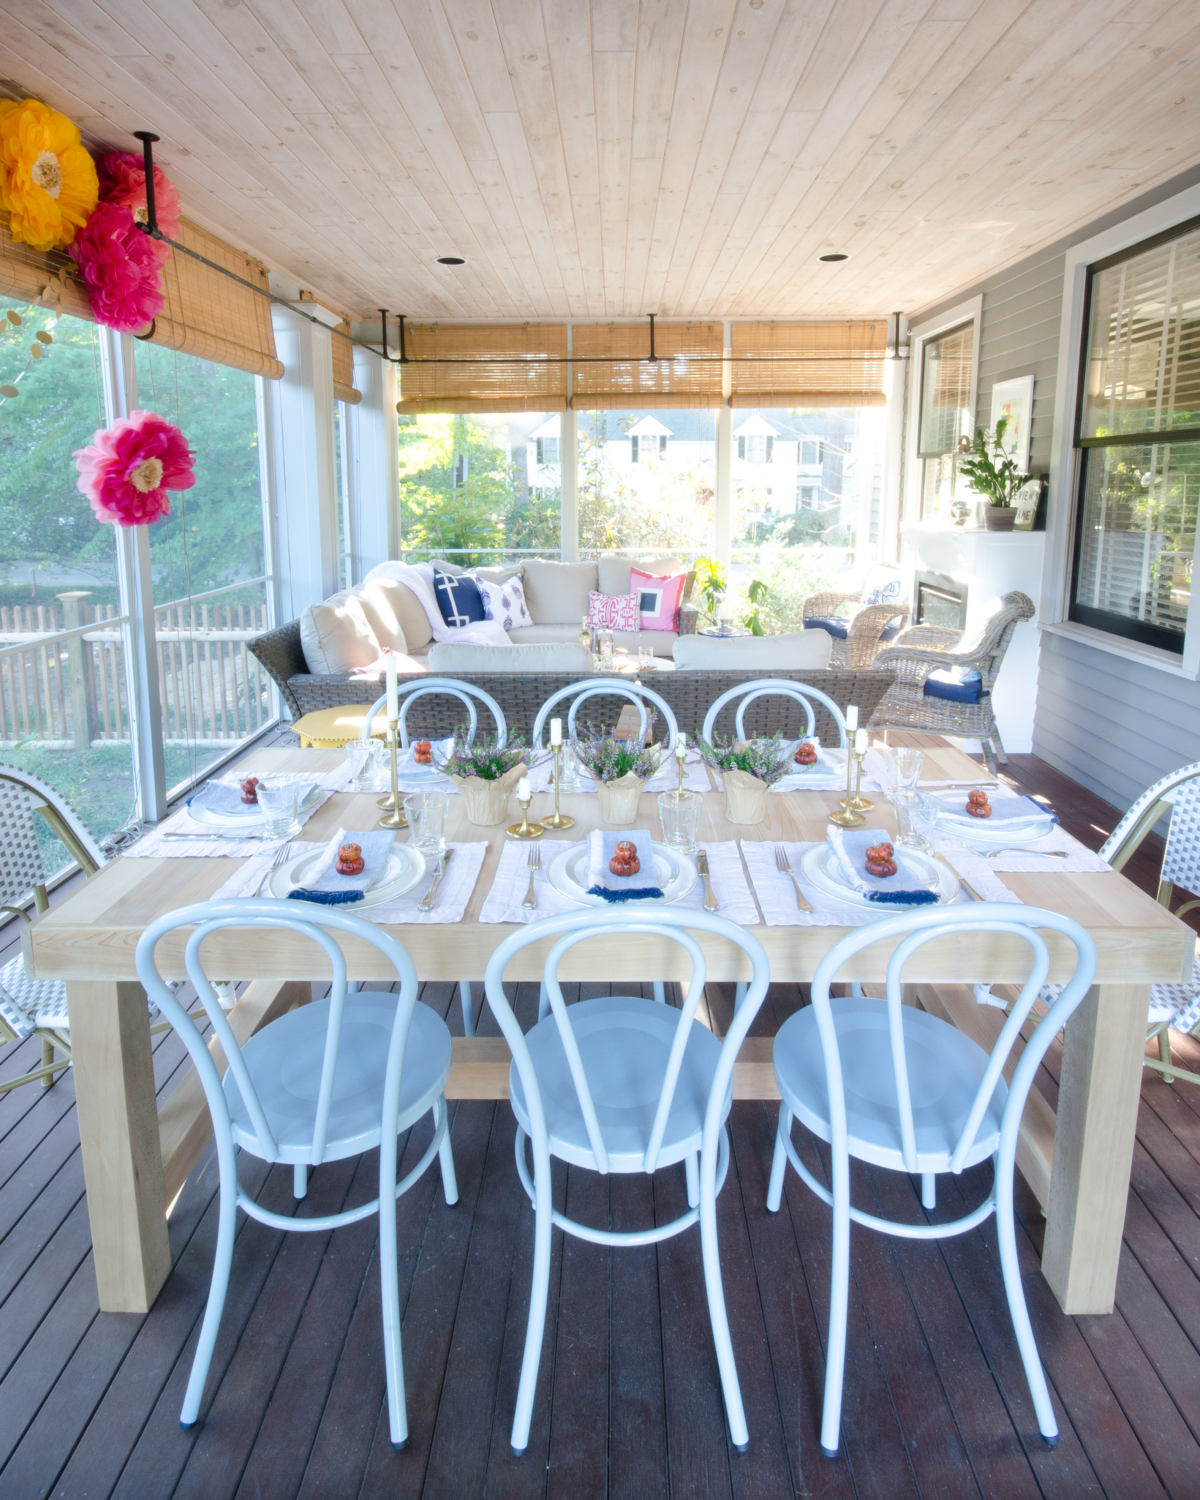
(1112, 724)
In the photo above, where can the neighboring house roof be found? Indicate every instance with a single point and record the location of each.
(755, 427)
(650, 427)
(549, 428)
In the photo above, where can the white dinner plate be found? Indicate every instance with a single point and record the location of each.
(819, 864)
(826, 770)
(984, 831)
(405, 869)
(568, 876)
(253, 817)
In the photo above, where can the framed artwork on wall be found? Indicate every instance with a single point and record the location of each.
(1014, 399)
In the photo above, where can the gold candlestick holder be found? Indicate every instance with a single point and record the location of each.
(558, 820)
(852, 804)
(394, 815)
(679, 762)
(525, 829)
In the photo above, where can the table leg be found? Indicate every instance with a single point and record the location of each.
(1093, 1145)
(118, 1134)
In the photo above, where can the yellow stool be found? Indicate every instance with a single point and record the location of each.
(331, 728)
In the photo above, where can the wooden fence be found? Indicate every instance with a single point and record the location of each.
(71, 689)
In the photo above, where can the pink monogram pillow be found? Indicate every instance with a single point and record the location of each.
(657, 599)
(616, 611)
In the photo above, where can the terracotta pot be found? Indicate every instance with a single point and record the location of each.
(619, 800)
(487, 801)
(745, 797)
(999, 517)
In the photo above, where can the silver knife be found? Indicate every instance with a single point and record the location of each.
(426, 901)
(238, 838)
(710, 901)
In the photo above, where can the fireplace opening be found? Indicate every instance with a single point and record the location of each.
(941, 600)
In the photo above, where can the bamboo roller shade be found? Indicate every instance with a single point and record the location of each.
(204, 313)
(343, 365)
(687, 372)
(808, 364)
(515, 367)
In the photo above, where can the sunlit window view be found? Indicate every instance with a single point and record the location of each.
(946, 418)
(480, 486)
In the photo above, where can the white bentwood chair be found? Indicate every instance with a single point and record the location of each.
(326, 1081)
(769, 687)
(428, 687)
(623, 1084)
(889, 1084)
(607, 687)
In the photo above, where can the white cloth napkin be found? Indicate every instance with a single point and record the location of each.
(729, 884)
(910, 884)
(503, 902)
(450, 903)
(1080, 860)
(602, 844)
(376, 845)
(777, 895)
(1016, 812)
(216, 842)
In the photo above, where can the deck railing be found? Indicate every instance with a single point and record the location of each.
(63, 679)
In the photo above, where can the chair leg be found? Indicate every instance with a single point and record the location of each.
(218, 1286)
(1164, 1052)
(539, 1293)
(393, 1354)
(468, 1007)
(692, 1168)
(1011, 1270)
(48, 1058)
(855, 990)
(299, 1180)
(779, 1160)
(543, 1001)
(711, 1253)
(1001, 753)
(446, 1154)
(739, 995)
(839, 1295)
(928, 1189)
(660, 992)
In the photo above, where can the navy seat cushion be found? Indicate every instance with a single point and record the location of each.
(458, 598)
(831, 623)
(954, 685)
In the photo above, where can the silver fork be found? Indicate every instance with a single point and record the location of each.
(280, 855)
(535, 864)
(784, 866)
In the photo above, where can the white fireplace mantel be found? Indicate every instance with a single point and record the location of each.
(990, 563)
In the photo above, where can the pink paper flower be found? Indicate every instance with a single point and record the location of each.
(123, 180)
(120, 267)
(129, 467)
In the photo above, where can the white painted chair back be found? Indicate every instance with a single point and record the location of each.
(799, 692)
(465, 692)
(607, 687)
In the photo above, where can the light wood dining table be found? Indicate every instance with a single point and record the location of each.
(136, 1155)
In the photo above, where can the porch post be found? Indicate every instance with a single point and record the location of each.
(373, 466)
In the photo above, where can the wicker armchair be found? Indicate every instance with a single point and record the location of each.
(864, 629)
(944, 691)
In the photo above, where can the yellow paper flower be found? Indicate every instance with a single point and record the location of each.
(47, 179)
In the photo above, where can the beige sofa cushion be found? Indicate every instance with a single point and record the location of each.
(751, 653)
(392, 606)
(658, 641)
(557, 593)
(336, 635)
(461, 656)
(614, 571)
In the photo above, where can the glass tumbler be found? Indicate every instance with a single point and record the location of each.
(363, 758)
(427, 821)
(278, 802)
(679, 812)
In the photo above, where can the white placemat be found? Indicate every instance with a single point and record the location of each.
(831, 781)
(210, 844)
(777, 895)
(729, 883)
(503, 902)
(450, 903)
(1079, 861)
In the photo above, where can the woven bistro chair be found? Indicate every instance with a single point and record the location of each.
(944, 690)
(877, 615)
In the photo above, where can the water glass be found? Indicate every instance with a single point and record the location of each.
(679, 812)
(573, 779)
(901, 768)
(278, 802)
(427, 821)
(364, 760)
(923, 810)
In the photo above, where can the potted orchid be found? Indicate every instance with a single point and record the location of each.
(485, 774)
(748, 769)
(619, 768)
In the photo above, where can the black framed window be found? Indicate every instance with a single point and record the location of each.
(1138, 433)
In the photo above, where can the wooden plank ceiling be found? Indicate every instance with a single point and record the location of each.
(684, 157)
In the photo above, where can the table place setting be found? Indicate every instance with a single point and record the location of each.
(390, 895)
(218, 822)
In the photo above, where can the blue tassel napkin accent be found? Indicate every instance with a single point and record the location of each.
(327, 898)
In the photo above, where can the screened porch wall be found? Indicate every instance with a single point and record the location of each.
(1113, 724)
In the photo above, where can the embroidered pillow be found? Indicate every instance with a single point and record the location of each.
(612, 611)
(458, 598)
(505, 602)
(658, 599)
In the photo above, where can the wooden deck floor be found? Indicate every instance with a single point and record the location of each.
(936, 1403)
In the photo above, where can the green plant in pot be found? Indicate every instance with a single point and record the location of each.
(990, 472)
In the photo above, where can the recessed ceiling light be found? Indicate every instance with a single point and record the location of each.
(451, 260)
(838, 255)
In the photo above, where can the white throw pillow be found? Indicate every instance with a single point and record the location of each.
(505, 602)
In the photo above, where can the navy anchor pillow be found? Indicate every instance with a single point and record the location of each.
(458, 598)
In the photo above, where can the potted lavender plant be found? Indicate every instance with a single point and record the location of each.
(486, 775)
(748, 769)
(618, 767)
